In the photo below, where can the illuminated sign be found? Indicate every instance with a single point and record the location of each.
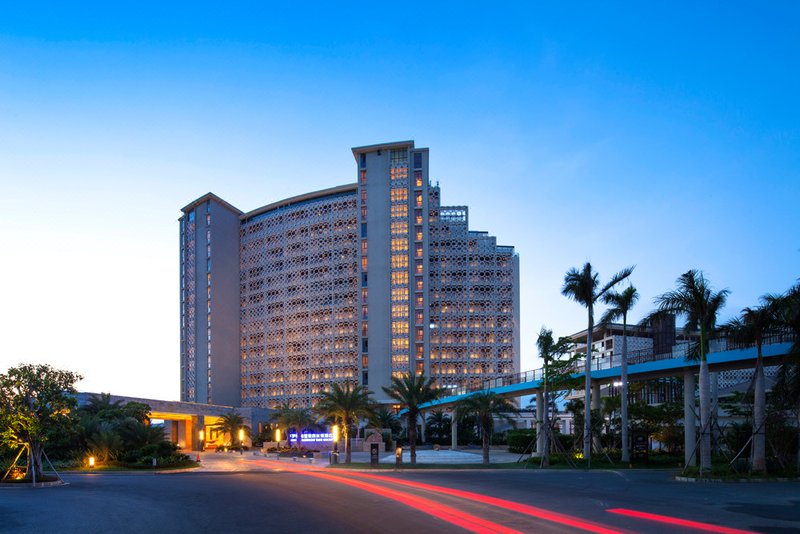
(312, 437)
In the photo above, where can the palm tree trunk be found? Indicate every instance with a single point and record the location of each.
(705, 414)
(587, 396)
(759, 417)
(485, 441)
(412, 436)
(623, 370)
(347, 450)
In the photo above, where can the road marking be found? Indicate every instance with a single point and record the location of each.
(677, 521)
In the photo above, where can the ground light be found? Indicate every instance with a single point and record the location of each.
(278, 436)
(91, 462)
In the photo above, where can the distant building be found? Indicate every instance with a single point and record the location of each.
(356, 283)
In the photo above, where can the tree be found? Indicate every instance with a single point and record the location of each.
(345, 404)
(438, 426)
(411, 391)
(381, 417)
(754, 325)
(694, 299)
(582, 287)
(621, 303)
(297, 418)
(35, 400)
(555, 369)
(231, 423)
(485, 406)
(787, 309)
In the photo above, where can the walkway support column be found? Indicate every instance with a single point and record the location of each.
(596, 406)
(540, 444)
(689, 419)
(193, 429)
(453, 432)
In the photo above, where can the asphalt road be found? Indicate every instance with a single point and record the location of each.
(283, 497)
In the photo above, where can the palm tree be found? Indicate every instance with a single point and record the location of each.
(485, 406)
(231, 423)
(346, 404)
(411, 391)
(694, 299)
(787, 309)
(438, 424)
(383, 418)
(550, 352)
(582, 287)
(297, 418)
(752, 327)
(621, 303)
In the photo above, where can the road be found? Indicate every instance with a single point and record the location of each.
(270, 496)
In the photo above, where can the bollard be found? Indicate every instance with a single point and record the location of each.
(398, 457)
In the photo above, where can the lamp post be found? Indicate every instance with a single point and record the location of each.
(241, 440)
(202, 436)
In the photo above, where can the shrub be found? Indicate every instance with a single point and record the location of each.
(519, 441)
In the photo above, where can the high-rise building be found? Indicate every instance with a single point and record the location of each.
(356, 283)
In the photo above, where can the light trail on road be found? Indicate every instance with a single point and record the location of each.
(525, 509)
(677, 521)
(447, 513)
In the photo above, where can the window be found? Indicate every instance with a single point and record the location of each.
(418, 250)
(417, 178)
(191, 216)
(417, 160)
(364, 361)
(417, 216)
(363, 196)
(398, 156)
(420, 333)
(419, 316)
(362, 159)
(420, 302)
(364, 295)
(420, 350)
(418, 283)
(418, 200)
(363, 176)
(363, 246)
(365, 378)
(418, 234)
(364, 312)
(418, 266)
(364, 263)
(363, 213)
(363, 229)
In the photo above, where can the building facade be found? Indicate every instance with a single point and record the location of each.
(356, 283)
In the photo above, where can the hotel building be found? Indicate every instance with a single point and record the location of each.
(356, 283)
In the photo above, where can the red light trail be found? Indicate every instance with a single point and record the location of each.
(677, 521)
(446, 513)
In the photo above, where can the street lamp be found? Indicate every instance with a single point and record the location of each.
(241, 440)
(278, 436)
(91, 462)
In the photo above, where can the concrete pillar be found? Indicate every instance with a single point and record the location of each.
(193, 429)
(715, 436)
(596, 406)
(689, 418)
(453, 432)
(540, 407)
(422, 429)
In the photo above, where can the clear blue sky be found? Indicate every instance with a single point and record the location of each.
(662, 136)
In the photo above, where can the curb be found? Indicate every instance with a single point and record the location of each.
(734, 480)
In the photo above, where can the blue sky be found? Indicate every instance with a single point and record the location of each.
(662, 136)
